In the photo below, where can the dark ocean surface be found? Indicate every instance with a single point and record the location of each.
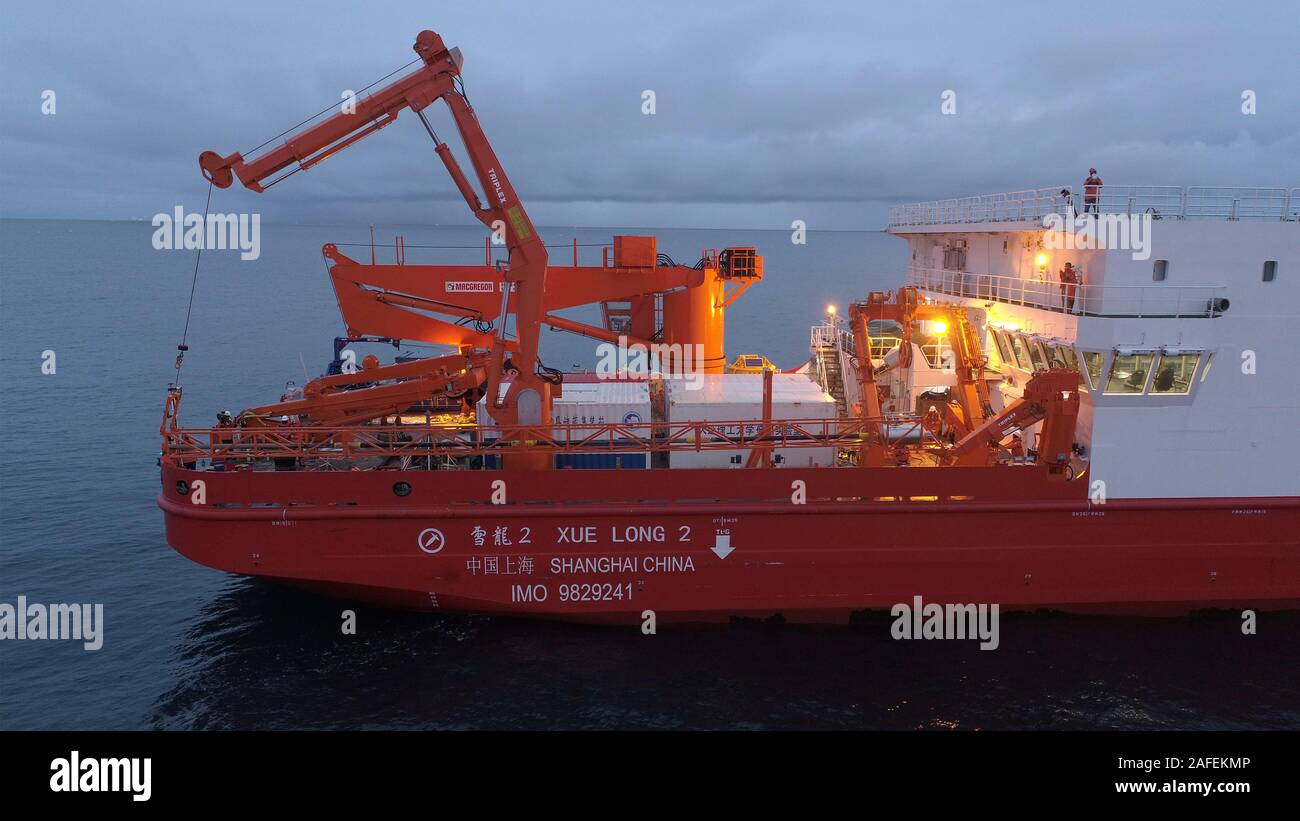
(189, 647)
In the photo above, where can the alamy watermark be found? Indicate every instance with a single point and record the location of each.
(636, 359)
(946, 621)
(1121, 232)
(213, 232)
(128, 775)
(53, 622)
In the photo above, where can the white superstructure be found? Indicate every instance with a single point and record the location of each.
(1186, 334)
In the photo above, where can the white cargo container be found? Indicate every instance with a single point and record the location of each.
(739, 397)
(590, 404)
(594, 402)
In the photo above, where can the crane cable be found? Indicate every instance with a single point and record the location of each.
(328, 108)
(182, 348)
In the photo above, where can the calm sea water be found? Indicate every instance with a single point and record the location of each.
(188, 647)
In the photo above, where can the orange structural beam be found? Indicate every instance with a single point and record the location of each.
(404, 301)
(1052, 397)
(372, 392)
(906, 309)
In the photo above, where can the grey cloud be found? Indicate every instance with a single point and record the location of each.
(766, 111)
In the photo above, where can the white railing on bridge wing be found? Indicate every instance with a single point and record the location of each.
(1156, 300)
(1242, 203)
(1008, 206)
(1161, 201)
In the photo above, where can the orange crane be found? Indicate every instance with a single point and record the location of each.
(528, 398)
(1051, 396)
(972, 402)
(645, 297)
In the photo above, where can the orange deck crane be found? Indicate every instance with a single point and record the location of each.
(645, 297)
(1051, 396)
(972, 402)
(528, 397)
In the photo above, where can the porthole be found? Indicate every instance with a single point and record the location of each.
(402, 489)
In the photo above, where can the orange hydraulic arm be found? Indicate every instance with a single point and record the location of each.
(968, 356)
(527, 400)
(1051, 396)
(376, 391)
(969, 359)
(872, 452)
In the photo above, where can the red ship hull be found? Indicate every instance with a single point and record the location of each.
(710, 545)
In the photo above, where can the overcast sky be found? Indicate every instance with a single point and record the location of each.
(766, 112)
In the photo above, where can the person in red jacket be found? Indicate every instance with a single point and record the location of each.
(1069, 281)
(1092, 192)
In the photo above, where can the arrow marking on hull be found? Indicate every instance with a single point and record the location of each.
(722, 545)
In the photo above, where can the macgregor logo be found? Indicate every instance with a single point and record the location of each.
(475, 287)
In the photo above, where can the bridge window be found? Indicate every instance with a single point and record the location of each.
(1129, 372)
(1094, 359)
(1004, 350)
(1036, 354)
(1022, 356)
(1174, 373)
(1160, 270)
(1063, 356)
(1066, 354)
(1270, 270)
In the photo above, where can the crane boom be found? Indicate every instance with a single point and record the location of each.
(378, 109)
(1051, 396)
(527, 398)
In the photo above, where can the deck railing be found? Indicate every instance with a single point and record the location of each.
(831, 334)
(1161, 201)
(413, 444)
(1156, 300)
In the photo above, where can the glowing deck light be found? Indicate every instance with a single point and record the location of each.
(1041, 260)
(940, 327)
(830, 310)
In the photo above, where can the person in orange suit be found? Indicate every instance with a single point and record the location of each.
(1069, 281)
(1092, 192)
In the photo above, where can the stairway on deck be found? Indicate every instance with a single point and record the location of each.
(830, 375)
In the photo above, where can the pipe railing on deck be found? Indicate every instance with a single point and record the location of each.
(1156, 300)
(1160, 201)
(236, 445)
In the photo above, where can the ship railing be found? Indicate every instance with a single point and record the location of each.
(827, 340)
(1157, 300)
(1159, 201)
(1008, 206)
(831, 334)
(228, 448)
